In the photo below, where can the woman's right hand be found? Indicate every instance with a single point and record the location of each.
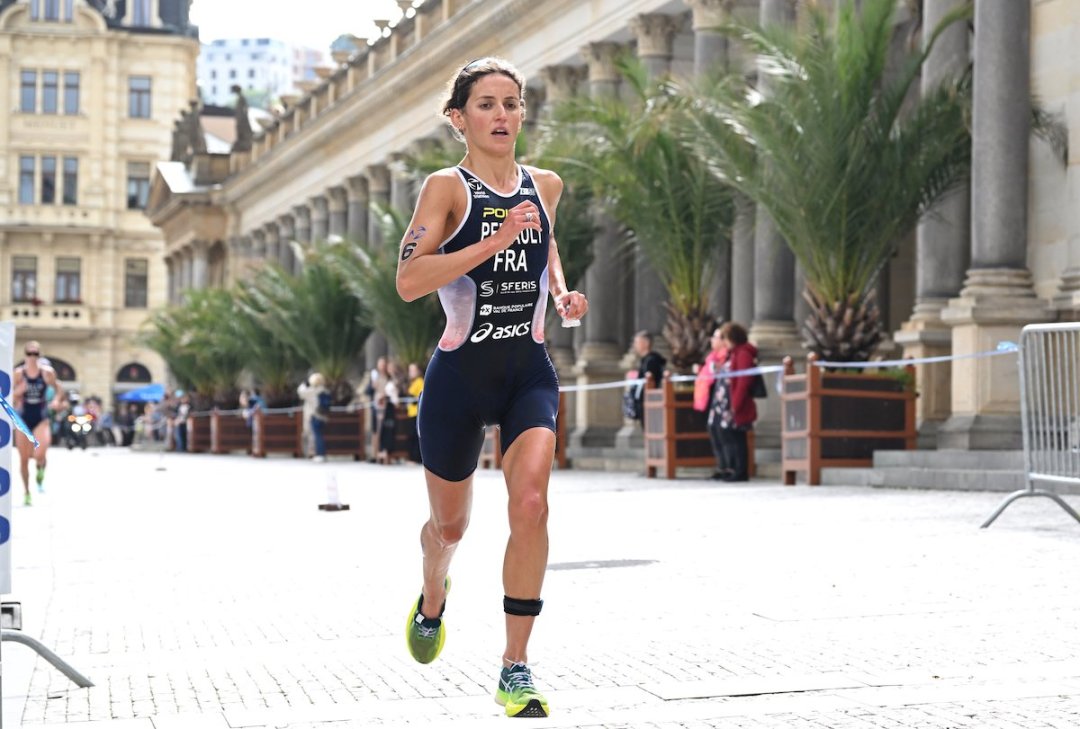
(525, 216)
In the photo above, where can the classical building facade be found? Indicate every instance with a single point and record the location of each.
(81, 267)
(1000, 254)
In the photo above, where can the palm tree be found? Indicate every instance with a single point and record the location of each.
(275, 367)
(314, 313)
(658, 189)
(411, 328)
(201, 343)
(834, 151)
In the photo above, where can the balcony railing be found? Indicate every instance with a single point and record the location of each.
(49, 315)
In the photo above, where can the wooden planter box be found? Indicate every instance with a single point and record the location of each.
(229, 433)
(344, 434)
(838, 419)
(276, 431)
(198, 432)
(676, 434)
(491, 452)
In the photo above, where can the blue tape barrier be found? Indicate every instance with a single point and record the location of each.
(18, 421)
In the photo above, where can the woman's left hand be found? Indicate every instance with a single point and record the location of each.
(572, 305)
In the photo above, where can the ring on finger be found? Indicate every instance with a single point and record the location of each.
(528, 217)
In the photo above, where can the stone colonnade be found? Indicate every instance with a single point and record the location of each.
(969, 293)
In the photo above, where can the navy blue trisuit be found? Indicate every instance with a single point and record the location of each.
(34, 407)
(491, 366)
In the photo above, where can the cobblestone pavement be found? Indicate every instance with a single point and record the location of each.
(215, 594)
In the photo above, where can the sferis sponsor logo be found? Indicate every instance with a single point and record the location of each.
(508, 288)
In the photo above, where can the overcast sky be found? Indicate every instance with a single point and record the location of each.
(313, 23)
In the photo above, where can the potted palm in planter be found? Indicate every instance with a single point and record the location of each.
(201, 346)
(845, 162)
(674, 210)
(316, 315)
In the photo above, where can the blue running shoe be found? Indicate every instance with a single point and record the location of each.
(517, 693)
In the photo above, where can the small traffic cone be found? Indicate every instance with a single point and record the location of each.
(333, 495)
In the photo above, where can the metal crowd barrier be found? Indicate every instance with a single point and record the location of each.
(1049, 411)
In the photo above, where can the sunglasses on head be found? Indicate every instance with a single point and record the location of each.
(470, 64)
(33, 354)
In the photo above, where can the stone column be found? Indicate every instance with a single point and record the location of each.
(257, 252)
(338, 198)
(238, 258)
(742, 261)
(741, 272)
(302, 216)
(401, 183)
(655, 34)
(1067, 300)
(357, 227)
(302, 233)
(378, 184)
(599, 413)
(272, 233)
(561, 84)
(711, 53)
(998, 297)
(320, 218)
(286, 238)
(534, 105)
(710, 45)
(942, 248)
(200, 264)
(170, 277)
(773, 327)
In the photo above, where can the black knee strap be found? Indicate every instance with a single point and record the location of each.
(515, 606)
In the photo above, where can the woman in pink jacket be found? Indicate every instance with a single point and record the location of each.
(703, 394)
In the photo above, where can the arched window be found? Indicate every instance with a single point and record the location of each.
(133, 372)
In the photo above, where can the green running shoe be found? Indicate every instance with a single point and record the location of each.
(41, 479)
(26, 499)
(425, 636)
(517, 693)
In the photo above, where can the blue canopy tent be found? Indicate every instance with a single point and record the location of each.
(146, 393)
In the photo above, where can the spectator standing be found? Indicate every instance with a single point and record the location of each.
(316, 411)
(180, 430)
(416, 386)
(373, 391)
(652, 363)
(391, 399)
(704, 385)
(733, 411)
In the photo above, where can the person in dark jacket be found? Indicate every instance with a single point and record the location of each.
(733, 410)
(651, 362)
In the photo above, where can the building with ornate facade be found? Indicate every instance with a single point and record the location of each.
(81, 267)
(998, 255)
